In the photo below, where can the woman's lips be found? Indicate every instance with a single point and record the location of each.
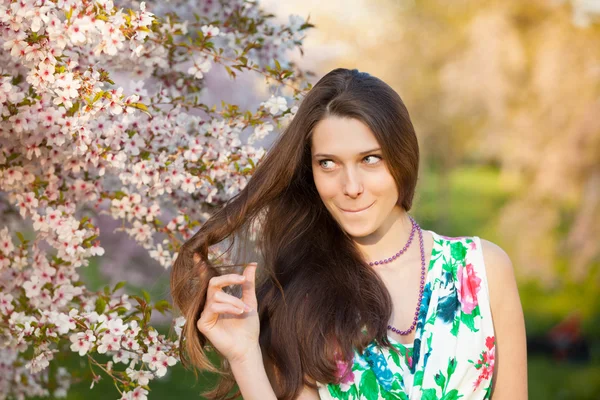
(354, 211)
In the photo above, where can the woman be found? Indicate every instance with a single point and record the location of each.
(353, 299)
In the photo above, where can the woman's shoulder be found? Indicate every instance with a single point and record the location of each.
(498, 268)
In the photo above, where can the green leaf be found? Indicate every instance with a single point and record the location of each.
(13, 156)
(88, 241)
(469, 321)
(452, 395)
(337, 392)
(431, 319)
(397, 383)
(119, 285)
(97, 96)
(387, 395)
(455, 324)
(395, 356)
(146, 296)
(21, 237)
(458, 250)
(162, 305)
(418, 378)
(73, 109)
(368, 385)
(140, 106)
(100, 305)
(429, 394)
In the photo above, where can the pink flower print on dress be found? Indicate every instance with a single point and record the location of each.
(469, 286)
(344, 372)
(486, 362)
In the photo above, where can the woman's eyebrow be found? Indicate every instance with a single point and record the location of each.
(361, 153)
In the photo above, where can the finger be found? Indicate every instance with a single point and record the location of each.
(212, 312)
(217, 283)
(222, 297)
(249, 285)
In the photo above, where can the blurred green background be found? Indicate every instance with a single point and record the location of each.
(549, 378)
(505, 99)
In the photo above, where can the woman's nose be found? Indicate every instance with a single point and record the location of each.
(352, 185)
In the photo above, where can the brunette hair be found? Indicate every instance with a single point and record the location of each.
(318, 300)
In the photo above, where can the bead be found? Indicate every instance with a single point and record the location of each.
(414, 227)
(418, 229)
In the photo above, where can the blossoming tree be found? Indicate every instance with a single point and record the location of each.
(74, 145)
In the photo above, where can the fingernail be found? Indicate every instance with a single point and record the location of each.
(247, 308)
(241, 278)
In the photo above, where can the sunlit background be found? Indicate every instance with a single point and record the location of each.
(505, 99)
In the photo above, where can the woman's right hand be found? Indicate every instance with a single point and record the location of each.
(232, 324)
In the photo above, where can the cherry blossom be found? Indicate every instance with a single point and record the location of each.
(276, 104)
(101, 115)
(82, 341)
(158, 361)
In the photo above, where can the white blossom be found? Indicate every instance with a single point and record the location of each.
(275, 104)
(82, 341)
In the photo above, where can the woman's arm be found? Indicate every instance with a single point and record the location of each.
(251, 377)
(510, 375)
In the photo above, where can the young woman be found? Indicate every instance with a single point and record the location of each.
(353, 300)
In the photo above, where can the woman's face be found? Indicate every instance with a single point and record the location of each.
(351, 176)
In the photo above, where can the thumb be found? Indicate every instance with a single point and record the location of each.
(249, 286)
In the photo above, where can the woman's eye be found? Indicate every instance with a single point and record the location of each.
(326, 164)
(374, 159)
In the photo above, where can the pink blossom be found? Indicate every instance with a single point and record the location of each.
(158, 361)
(32, 287)
(136, 394)
(82, 341)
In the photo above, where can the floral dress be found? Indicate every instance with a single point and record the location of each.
(453, 353)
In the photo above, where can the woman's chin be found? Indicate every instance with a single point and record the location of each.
(357, 232)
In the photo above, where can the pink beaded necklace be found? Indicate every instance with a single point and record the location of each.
(416, 227)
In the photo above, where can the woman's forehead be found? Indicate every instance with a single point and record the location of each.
(340, 136)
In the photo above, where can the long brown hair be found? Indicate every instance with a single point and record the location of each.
(318, 299)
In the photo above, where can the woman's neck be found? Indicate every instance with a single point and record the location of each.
(389, 238)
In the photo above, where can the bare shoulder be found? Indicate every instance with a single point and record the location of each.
(498, 266)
